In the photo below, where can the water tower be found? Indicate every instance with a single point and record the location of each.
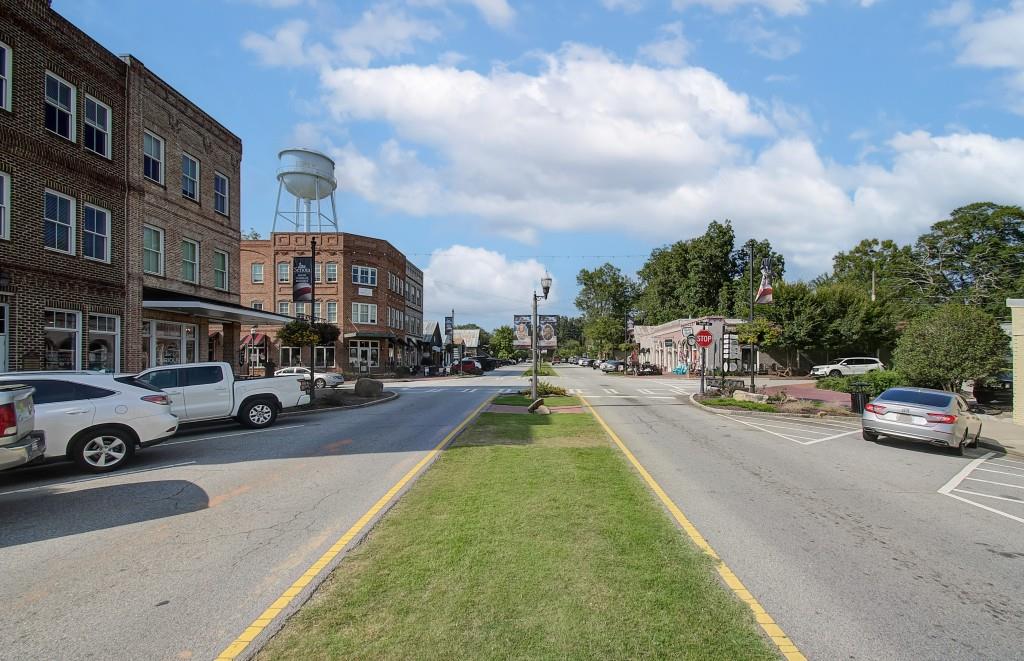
(308, 176)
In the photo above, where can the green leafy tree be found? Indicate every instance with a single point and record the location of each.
(662, 283)
(713, 264)
(252, 235)
(850, 322)
(949, 345)
(761, 332)
(741, 284)
(604, 292)
(327, 333)
(569, 347)
(795, 312)
(569, 328)
(298, 333)
(602, 335)
(501, 342)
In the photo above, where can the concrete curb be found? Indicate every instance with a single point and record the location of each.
(391, 396)
(766, 414)
(995, 447)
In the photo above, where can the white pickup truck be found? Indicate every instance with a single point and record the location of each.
(209, 391)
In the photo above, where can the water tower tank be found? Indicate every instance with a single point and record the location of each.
(306, 174)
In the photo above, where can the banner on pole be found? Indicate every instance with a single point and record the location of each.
(302, 279)
(522, 324)
(449, 327)
(547, 331)
(764, 292)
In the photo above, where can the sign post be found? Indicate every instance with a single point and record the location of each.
(704, 340)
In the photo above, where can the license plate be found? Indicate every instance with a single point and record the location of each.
(903, 417)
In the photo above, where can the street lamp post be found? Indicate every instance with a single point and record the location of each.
(545, 284)
(312, 316)
(753, 367)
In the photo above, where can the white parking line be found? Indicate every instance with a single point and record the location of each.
(1002, 484)
(989, 470)
(611, 391)
(988, 495)
(949, 487)
(999, 463)
(801, 440)
(98, 477)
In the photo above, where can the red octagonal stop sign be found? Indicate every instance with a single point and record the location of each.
(704, 339)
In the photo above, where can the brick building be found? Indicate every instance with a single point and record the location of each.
(363, 285)
(119, 215)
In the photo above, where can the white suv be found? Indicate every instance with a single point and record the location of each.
(98, 420)
(848, 366)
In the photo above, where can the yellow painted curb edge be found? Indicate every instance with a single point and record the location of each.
(239, 645)
(764, 620)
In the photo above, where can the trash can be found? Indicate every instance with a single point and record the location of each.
(858, 396)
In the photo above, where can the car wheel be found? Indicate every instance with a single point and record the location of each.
(103, 449)
(977, 439)
(835, 373)
(869, 435)
(959, 449)
(320, 383)
(258, 414)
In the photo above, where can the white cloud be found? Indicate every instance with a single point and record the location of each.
(670, 49)
(628, 6)
(285, 48)
(382, 31)
(480, 285)
(497, 13)
(763, 41)
(994, 41)
(957, 12)
(780, 7)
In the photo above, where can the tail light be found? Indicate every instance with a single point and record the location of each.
(304, 384)
(942, 418)
(157, 399)
(8, 420)
(877, 409)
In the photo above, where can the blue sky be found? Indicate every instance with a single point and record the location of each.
(493, 139)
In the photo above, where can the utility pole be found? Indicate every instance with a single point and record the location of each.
(752, 367)
(312, 314)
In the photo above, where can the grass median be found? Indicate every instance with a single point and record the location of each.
(544, 370)
(531, 537)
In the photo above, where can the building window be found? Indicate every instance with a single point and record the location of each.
(96, 233)
(257, 274)
(153, 157)
(220, 269)
(5, 76)
(60, 334)
(332, 312)
(257, 305)
(60, 106)
(301, 310)
(220, 193)
(170, 343)
(364, 275)
(324, 356)
(364, 313)
(332, 271)
(189, 177)
(291, 356)
(316, 311)
(189, 261)
(283, 308)
(59, 222)
(152, 250)
(364, 352)
(319, 271)
(5, 195)
(283, 272)
(104, 343)
(97, 126)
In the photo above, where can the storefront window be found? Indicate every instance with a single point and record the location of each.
(191, 344)
(364, 352)
(325, 356)
(173, 343)
(61, 337)
(291, 356)
(104, 343)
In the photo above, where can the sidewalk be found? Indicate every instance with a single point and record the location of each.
(1003, 434)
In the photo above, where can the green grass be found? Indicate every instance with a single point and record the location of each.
(531, 538)
(523, 400)
(544, 370)
(725, 402)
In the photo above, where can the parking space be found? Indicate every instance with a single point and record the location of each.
(803, 431)
(992, 482)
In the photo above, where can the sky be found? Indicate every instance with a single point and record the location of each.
(494, 140)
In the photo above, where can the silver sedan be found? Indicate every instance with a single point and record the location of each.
(921, 414)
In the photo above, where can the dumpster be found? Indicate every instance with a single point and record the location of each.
(858, 396)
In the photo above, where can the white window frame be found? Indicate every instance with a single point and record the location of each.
(357, 313)
(78, 334)
(162, 160)
(227, 270)
(226, 195)
(199, 175)
(73, 109)
(332, 312)
(198, 262)
(72, 228)
(163, 249)
(332, 266)
(85, 231)
(287, 272)
(284, 308)
(252, 273)
(293, 360)
(5, 205)
(358, 272)
(117, 336)
(108, 129)
(318, 272)
(255, 304)
(7, 75)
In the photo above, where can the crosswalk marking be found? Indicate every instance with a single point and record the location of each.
(611, 391)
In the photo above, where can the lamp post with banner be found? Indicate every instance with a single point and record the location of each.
(545, 284)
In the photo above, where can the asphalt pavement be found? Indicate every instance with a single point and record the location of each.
(173, 557)
(859, 550)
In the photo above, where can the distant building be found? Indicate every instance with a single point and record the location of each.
(666, 345)
(469, 340)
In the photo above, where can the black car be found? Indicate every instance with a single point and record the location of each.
(994, 391)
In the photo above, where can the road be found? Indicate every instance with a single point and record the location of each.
(858, 550)
(175, 556)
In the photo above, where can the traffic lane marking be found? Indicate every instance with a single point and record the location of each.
(785, 645)
(325, 561)
(800, 440)
(953, 487)
(240, 433)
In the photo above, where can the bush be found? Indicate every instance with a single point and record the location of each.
(724, 402)
(545, 389)
(878, 381)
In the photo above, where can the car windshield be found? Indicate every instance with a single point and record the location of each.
(916, 397)
(138, 383)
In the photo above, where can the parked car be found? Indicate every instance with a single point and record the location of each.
(922, 414)
(96, 420)
(848, 366)
(323, 379)
(20, 442)
(466, 366)
(648, 369)
(995, 391)
(612, 366)
(209, 391)
(486, 363)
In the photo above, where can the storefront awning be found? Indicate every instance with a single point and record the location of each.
(208, 309)
(254, 340)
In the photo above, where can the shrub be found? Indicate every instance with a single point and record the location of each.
(878, 381)
(724, 402)
(545, 389)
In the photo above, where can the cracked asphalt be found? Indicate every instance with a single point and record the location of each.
(174, 556)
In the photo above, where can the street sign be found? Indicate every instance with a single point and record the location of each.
(691, 340)
(704, 339)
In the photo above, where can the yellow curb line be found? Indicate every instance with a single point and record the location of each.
(778, 636)
(239, 645)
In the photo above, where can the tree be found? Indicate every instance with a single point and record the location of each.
(602, 335)
(949, 345)
(604, 292)
(298, 333)
(795, 312)
(760, 332)
(570, 347)
(501, 342)
(327, 334)
(662, 281)
(252, 235)
(712, 267)
(569, 328)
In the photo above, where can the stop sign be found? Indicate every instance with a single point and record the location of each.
(704, 339)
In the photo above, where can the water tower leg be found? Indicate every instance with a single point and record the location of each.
(334, 213)
(277, 207)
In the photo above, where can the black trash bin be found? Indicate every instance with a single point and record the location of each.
(858, 396)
